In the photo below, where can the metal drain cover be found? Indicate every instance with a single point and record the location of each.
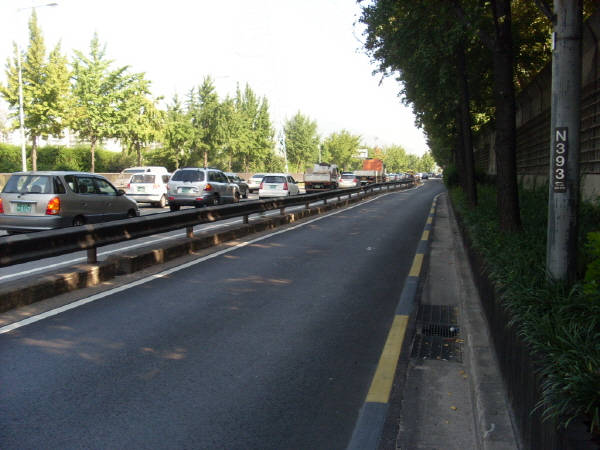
(438, 348)
(438, 334)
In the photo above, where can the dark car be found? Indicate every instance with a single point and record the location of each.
(234, 178)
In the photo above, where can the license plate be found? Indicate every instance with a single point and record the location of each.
(141, 189)
(318, 186)
(185, 190)
(23, 207)
(273, 186)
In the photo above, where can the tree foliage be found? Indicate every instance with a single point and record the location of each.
(100, 94)
(301, 141)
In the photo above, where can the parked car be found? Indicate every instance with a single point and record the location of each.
(200, 186)
(348, 180)
(424, 176)
(277, 185)
(149, 187)
(254, 182)
(125, 176)
(37, 201)
(234, 178)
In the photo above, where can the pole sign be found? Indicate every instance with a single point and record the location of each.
(561, 149)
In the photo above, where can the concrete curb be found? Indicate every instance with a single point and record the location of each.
(494, 426)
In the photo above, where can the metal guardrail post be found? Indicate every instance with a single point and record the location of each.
(307, 206)
(189, 232)
(245, 219)
(92, 256)
(282, 211)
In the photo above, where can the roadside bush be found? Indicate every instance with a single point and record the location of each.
(10, 158)
(560, 322)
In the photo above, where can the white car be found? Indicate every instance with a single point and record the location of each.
(149, 187)
(348, 180)
(254, 182)
(277, 185)
(125, 176)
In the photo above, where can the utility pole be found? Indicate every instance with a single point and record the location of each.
(563, 204)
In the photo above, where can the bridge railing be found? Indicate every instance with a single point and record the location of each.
(22, 248)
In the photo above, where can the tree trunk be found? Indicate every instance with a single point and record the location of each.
(467, 134)
(459, 153)
(93, 141)
(34, 153)
(506, 129)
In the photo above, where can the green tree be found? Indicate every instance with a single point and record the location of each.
(143, 120)
(47, 103)
(301, 141)
(177, 134)
(396, 159)
(100, 96)
(341, 149)
(206, 120)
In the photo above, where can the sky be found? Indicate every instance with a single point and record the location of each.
(303, 55)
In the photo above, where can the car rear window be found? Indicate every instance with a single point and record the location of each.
(274, 180)
(142, 178)
(188, 175)
(348, 176)
(38, 184)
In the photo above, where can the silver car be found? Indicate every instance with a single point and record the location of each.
(254, 182)
(196, 186)
(37, 201)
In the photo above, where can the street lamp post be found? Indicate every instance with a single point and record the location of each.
(21, 111)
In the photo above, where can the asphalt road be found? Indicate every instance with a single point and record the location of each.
(271, 344)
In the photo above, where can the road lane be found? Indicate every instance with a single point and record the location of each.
(270, 345)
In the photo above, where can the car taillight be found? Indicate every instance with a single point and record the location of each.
(128, 185)
(53, 206)
(1, 207)
(261, 185)
(285, 186)
(156, 186)
(208, 187)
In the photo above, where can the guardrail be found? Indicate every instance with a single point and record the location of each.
(22, 248)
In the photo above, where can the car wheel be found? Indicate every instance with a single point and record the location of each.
(216, 200)
(236, 197)
(245, 194)
(130, 214)
(78, 221)
(173, 207)
(163, 202)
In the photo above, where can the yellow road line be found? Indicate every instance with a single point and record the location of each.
(416, 267)
(381, 385)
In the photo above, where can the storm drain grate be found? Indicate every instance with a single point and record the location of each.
(444, 331)
(438, 334)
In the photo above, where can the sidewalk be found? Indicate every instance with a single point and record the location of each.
(453, 397)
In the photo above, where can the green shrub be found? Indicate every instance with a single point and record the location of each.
(10, 158)
(560, 322)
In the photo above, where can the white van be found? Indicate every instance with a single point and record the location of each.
(125, 176)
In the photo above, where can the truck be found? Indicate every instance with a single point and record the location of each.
(373, 171)
(322, 177)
